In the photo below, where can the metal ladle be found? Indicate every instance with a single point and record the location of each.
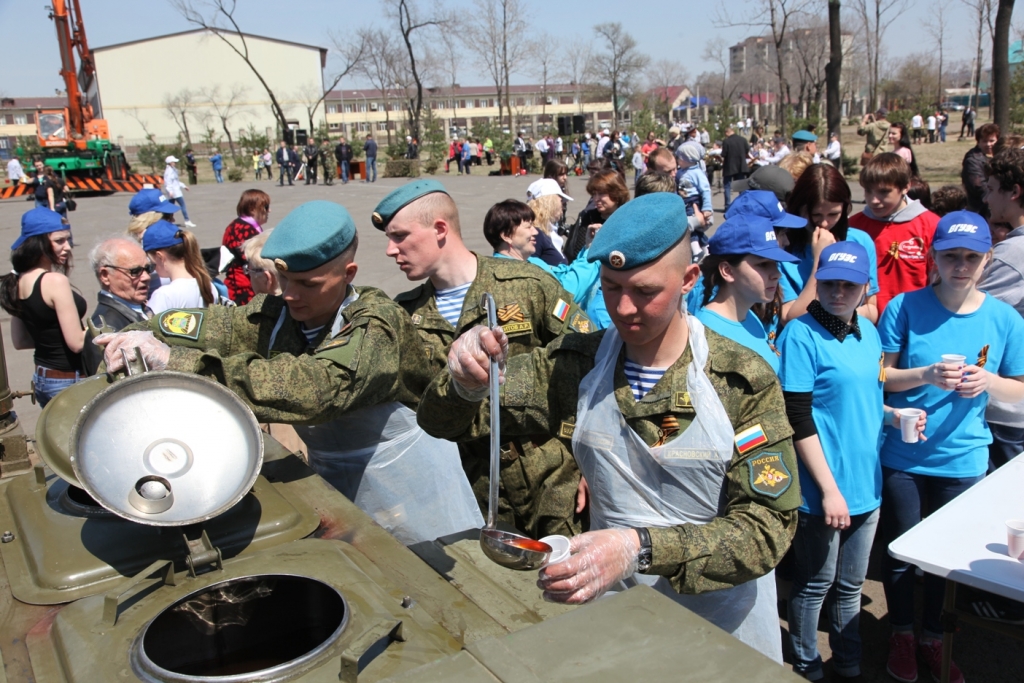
(504, 547)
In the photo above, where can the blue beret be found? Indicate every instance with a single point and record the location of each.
(401, 197)
(640, 231)
(804, 136)
(39, 221)
(309, 236)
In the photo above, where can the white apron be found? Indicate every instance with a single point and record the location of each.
(410, 483)
(682, 482)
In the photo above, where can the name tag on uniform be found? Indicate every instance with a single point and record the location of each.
(517, 328)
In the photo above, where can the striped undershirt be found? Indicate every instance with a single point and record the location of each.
(449, 302)
(311, 332)
(641, 378)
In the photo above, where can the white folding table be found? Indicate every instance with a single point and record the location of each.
(965, 542)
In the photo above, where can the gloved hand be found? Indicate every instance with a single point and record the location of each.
(599, 560)
(155, 352)
(469, 360)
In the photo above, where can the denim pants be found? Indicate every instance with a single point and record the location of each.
(830, 567)
(286, 174)
(217, 175)
(371, 163)
(1007, 444)
(180, 201)
(45, 388)
(727, 187)
(906, 500)
(344, 171)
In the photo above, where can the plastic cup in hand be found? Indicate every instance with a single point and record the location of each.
(559, 548)
(908, 423)
(1015, 539)
(954, 359)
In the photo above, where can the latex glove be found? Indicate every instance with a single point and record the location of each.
(599, 560)
(155, 352)
(469, 360)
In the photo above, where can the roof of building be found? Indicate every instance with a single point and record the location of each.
(323, 50)
(552, 89)
(33, 102)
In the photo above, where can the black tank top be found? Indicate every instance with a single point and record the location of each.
(42, 323)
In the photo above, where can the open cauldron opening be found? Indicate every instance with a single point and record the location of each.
(244, 626)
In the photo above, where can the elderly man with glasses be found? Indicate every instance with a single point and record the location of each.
(123, 272)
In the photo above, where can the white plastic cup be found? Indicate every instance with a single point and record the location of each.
(1015, 539)
(908, 423)
(559, 548)
(954, 359)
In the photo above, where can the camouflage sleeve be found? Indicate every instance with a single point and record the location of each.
(222, 329)
(750, 538)
(530, 404)
(562, 316)
(356, 369)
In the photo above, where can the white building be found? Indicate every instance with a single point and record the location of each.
(137, 78)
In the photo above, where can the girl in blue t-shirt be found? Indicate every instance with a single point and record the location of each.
(823, 197)
(741, 271)
(919, 331)
(832, 382)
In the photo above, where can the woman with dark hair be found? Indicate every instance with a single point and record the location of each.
(822, 196)
(46, 314)
(175, 253)
(253, 211)
(608, 191)
(900, 142)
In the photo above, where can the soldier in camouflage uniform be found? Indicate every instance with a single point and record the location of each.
(539, 479)
(692, 481)
(327, 161)
(346, 359)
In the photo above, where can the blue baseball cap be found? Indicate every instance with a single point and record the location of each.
(844, 261)
(766, 204)
(161, 235)
(962, 229)
(39, 221)
(150, 199)
(746, 233)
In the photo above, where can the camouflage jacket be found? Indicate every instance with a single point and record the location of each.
(376, 358)
(755, 529)
(539, 477)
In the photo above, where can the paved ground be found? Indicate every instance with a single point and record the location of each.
(983, 656)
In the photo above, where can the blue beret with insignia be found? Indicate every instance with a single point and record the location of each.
(640, 231)
(804, 136)
(399, 198)
(309, 236)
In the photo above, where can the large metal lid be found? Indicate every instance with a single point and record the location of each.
(53, 428)
(166, 448)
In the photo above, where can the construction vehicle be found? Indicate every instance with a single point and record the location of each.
(73, 141)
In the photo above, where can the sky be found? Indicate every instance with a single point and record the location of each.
(25, 30)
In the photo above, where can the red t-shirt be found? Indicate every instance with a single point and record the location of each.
(903, 252)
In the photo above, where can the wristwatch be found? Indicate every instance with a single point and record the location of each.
(644, 557)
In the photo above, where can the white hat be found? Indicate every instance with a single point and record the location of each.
(606, 131)
(171, 160)
(544, 187)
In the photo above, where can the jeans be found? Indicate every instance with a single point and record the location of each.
(371, 163)
(217, 175)
(466, 163)
(259, 172)
(830, 567)
(45, 388)
(942, 133)
(344, 171)
(286, 172)
(1007, 443)
(727, 187)
(180, 201)
(906, 500)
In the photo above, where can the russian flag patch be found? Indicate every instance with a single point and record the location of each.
(751, 438)
(561, 310)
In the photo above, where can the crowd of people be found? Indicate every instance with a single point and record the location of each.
(680, 405)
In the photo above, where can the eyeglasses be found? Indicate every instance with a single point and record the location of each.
(134, 273)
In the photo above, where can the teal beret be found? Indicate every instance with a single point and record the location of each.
(309, 236)
(640, 231)
(401, 197)
(804, 136)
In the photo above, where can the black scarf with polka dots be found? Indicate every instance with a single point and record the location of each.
(837, 326)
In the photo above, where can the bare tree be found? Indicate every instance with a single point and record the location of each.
(225, 107)
(936, 24)
(876, 16)
(218, 17)
(380, 67)
(411, 24)
(983, 10)
(810, 50)
(720, 85)
(544, 56)
(498, 27)
(311, 94)
(577, 67)
(178, 108)
(619, 63)
(834, 68)
(1001, 65)
(662, 76)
